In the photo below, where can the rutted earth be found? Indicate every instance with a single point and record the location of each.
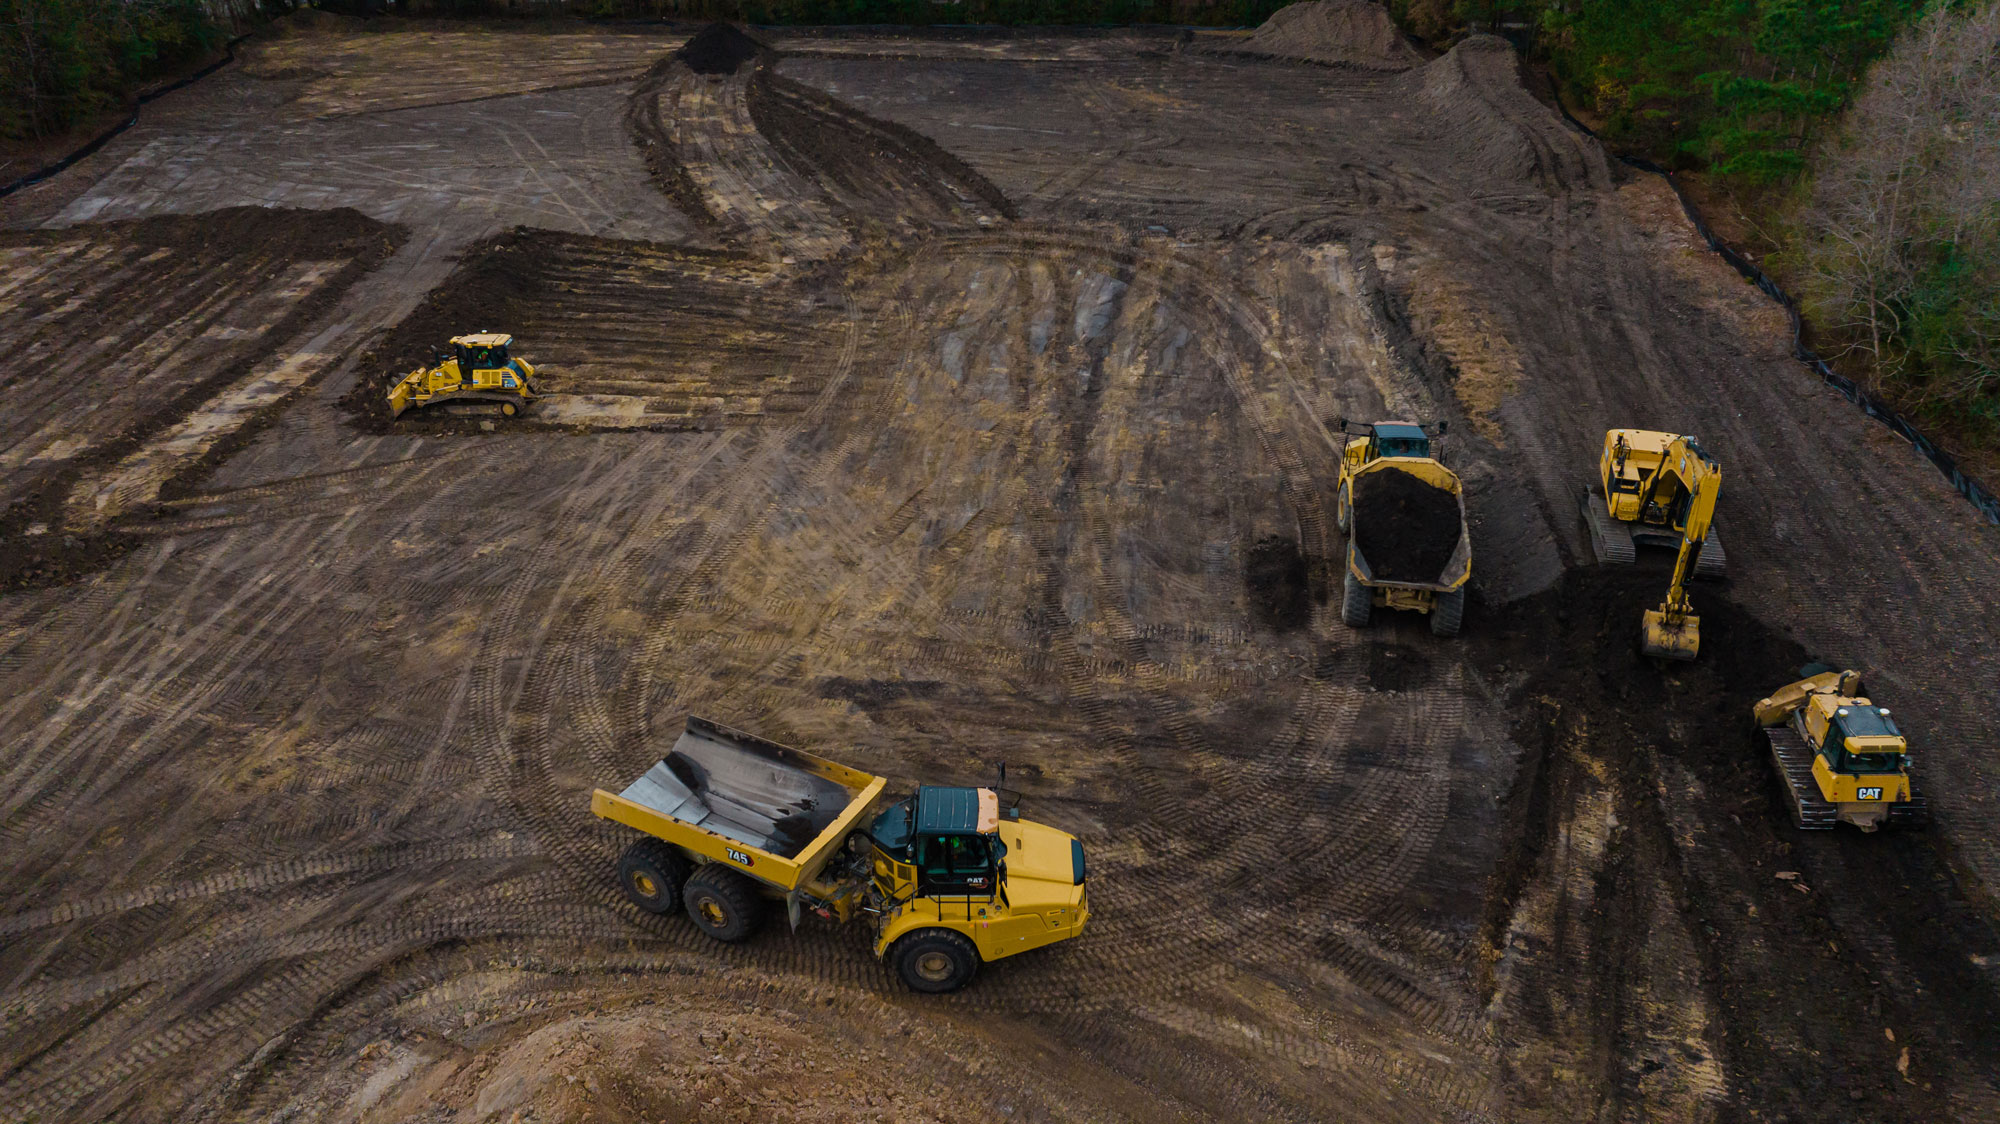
(936, 401)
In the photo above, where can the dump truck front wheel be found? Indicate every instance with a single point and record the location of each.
(1356, 603)
(935, 961)
(722, 903)
(651, 874)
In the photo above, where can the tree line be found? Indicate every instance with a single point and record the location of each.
(1861, 137)
(63, 62)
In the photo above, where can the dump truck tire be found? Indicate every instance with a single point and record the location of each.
(722, 903)
(651, 873)
(1448, 613)
(1356, 603)
(935, 961)
(1341, 518)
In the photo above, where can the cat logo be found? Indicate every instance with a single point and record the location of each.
(1868, 794)
(747, 861)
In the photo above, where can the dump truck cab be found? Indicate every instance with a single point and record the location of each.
(1386, 439)
(1842, 757)
(479, 367)
(948, 859)
(951, 877)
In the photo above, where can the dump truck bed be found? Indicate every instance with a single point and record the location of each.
(1457, 567)
(774, 812)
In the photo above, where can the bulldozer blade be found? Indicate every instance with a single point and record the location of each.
(1666, 641)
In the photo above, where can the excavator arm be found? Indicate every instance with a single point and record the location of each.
(1673, 631)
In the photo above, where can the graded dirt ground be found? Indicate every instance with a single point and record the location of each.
(933, 401)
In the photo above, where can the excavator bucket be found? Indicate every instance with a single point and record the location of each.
(1667, 640)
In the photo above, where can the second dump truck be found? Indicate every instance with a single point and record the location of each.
(949, 877)
(1403, 511)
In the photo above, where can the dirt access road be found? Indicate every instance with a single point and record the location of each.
(934, 401)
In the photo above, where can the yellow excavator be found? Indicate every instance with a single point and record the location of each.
(1649, 484)
(1841, 757)
(1658, 484)
(478, 368)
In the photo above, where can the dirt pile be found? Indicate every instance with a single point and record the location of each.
(1336, 32)
(1275, 572)
(719, 48)
(1406, 528)
(1476, 97)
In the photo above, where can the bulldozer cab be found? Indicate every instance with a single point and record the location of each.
(480, 352)
(1854, 735)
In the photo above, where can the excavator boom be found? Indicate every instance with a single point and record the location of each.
(1673, 631)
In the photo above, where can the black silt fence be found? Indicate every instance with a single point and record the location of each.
(131, 119)
(1974, 492)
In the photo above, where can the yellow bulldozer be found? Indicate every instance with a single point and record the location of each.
(478, 368)
(950, 877)
(1841, 757)
(1659, 486)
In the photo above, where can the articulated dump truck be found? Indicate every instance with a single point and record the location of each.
(948, 876)
(1403, 511)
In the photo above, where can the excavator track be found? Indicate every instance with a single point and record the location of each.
(1711, 563)
(1793, 759)
(1610, 540)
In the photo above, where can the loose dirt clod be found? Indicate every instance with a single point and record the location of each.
(1275, 571)
(719, 48)
(1406, 528)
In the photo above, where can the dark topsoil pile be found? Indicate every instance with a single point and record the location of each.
(719, 48)
(1405, 528)
(1275, 573)
(1804, 981)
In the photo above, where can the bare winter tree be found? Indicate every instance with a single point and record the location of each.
(1900, 230)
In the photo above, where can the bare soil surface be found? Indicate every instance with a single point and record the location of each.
(933, 401)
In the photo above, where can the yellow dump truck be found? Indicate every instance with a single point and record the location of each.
(950, 877)
(1403, 512)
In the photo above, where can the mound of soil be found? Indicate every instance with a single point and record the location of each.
(1337, 32)
(1275, 572)
(1405, 528)
(719, 48)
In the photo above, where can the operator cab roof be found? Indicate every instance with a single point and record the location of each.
(956, 811)
(1400, 431)
(484, 339)
(1861, 719)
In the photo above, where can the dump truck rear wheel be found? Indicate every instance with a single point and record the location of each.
(1448, 613)
(651, 874)
(1356, 603)
(935, 961)
(722, 903)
